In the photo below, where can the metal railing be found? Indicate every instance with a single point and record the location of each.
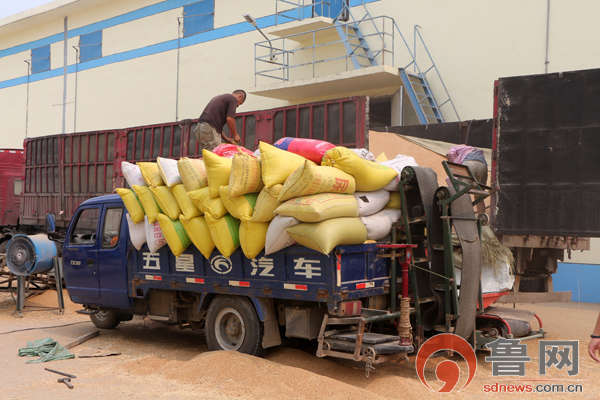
(297, 10)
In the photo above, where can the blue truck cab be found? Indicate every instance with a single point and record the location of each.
(242, 304)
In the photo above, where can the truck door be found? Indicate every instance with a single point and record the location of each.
(80, 255)
(112, 257)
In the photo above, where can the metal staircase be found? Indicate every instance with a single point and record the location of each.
(415, 84)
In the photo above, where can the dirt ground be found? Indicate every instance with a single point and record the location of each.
(159, 362)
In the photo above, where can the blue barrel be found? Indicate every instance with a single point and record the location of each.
(27, 255)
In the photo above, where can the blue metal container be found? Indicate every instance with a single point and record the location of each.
(27, 255)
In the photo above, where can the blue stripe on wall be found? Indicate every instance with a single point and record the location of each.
(581, 279)
(96, 26)
(218, 33)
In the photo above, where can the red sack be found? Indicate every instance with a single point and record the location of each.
(229, 150)
(312, 149)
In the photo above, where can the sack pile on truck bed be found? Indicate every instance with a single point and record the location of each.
(301, 191)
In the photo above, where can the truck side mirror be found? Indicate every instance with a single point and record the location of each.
(50, 223)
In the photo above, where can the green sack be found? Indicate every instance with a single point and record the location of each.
(47, 349)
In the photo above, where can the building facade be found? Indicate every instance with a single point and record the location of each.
(98, 64)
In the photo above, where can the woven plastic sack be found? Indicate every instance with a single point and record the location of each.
(168, 171)
(240, 207)
(378, 225)
(192, 172)
(224, 233)
(146, 198)
(202, 200)
(277, 164)
(369, 175)
(392, 213)
(398, 163)
(365, 154)
(137, 233)
(313, 179)
(132, 204)
(132, 174)
(166, 201)
(229, 150)
(370, 203)
(381, 158)
(319, 207)
(252, 237)
(311, 149)
(266, 203)
(217, 171)
(198, 232)
(395, 201)
(184, 201)
(174, 233)
(150, 173)
(154, 236)
(245, 175)
(277, 236)
(326, 235)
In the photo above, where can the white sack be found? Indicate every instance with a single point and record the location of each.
(169, 172)
(132, 174)
(398, 163)
(277, 236)
(364, 153)
(370, 203)
(378, 225)
(137, 233)
(154, 236)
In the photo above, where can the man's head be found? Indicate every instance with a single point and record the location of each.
(240, 95)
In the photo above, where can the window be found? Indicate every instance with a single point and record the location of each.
(198, 17)
(85, 227)
(90, 46)
(40, 59)
(18, 187)
(112, 227)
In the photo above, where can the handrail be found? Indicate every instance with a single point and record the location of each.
(418, 34)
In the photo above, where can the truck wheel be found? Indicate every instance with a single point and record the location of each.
(105, 319)
(232, 324)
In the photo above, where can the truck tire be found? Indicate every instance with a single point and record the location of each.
(105, 319)
(232, 324)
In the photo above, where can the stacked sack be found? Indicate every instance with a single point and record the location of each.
(299, 191)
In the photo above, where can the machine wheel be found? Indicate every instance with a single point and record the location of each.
(232, 324)
(106, 319)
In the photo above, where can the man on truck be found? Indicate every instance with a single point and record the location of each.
(219, 110)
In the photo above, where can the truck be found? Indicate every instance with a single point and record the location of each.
(242, 304)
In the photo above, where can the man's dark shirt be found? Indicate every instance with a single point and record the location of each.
(218, 109)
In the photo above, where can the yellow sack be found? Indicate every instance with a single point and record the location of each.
(174, 233)
(166, 201)
(240, 207)
(277, 164)
(369, 175)
(132, 204)
(217, 171)
(395, 201)
(192, 172)
(245, 175)
(151, 173)
(201, 199)
(252, 237)
(184, 202)
(150, 206)
(224, 233)
(197, 230)
(320, 207)
(312, 179)
(326, 235)
(266, 203)
(381, 158)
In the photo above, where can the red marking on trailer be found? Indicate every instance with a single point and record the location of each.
(194, 280)
(365, 285)
(153, 277)
(239, 283)
(293, 286)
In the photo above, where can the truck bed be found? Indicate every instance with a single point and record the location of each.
(295, 273)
